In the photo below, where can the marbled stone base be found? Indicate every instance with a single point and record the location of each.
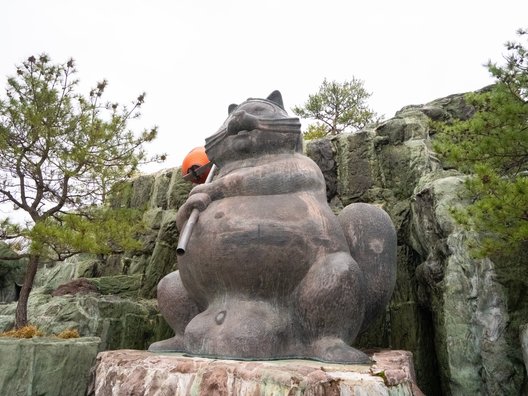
(132, 372)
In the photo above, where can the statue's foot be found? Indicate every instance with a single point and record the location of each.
(174, 344)
(335, 350)
(240, 329)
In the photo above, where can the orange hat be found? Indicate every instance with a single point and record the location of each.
(196, 166)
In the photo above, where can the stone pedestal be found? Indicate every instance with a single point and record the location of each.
(131, 372)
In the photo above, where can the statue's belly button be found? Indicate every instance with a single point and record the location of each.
(219, 215)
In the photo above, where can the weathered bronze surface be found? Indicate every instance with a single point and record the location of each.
(270, 272)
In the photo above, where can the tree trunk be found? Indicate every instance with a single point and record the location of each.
(21, 319)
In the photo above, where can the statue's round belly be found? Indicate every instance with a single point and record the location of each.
(257, 245)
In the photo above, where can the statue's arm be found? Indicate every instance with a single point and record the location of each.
(274, 178)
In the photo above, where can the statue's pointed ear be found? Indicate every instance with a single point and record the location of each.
(276, 97)
(231, 107)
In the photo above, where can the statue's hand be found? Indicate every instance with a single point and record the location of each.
(198, 201)
(200, 189)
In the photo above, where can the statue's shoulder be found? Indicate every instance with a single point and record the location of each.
(305, 161)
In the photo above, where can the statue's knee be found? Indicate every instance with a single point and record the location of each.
(167, 285)
(336, 271)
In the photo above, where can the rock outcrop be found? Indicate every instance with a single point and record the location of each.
(112, 297)
(119, 322)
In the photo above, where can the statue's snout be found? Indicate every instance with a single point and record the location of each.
(241, 121)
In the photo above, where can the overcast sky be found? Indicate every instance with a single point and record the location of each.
(195, 57)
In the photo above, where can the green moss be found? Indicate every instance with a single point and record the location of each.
(122, 285)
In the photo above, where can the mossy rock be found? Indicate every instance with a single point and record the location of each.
(46, 366)
(141, 191)
(178, 190)
(119, 285)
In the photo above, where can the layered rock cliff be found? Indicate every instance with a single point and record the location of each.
(460, 316)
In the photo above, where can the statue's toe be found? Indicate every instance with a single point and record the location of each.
(174, 344)
(334, 350)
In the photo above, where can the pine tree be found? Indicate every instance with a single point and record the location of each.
(492, 147)
(337, 108)
(60, 154)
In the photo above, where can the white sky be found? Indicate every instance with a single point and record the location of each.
(195, 57)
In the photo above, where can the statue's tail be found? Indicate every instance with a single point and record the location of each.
(372, 240)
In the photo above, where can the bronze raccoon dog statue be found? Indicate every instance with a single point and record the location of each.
(270, 271)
